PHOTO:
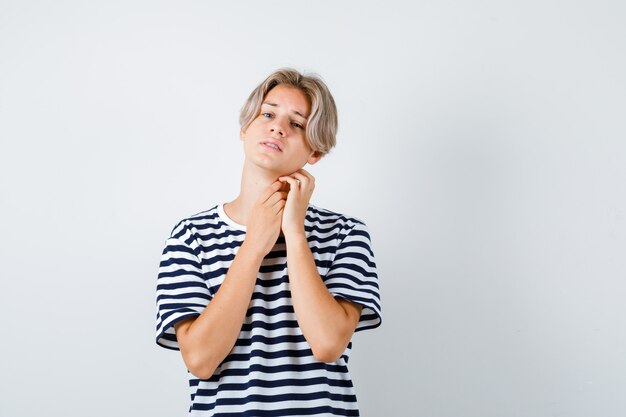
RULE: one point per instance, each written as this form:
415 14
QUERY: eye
296 124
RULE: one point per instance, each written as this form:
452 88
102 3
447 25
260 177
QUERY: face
281 123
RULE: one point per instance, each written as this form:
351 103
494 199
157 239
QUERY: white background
483 142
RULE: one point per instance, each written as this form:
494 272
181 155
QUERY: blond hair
322 124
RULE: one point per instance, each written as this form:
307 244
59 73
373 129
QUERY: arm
208 338
327 323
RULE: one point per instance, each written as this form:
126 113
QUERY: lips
268 144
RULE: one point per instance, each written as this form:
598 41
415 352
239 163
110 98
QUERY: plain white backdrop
482 142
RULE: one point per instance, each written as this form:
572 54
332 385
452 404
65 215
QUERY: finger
304 179
276 197
306 183
271 189
284 186
299 173
279 206
293 183
304 172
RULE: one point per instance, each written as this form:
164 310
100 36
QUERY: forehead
290 99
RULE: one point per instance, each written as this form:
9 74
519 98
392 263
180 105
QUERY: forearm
212 335
323 320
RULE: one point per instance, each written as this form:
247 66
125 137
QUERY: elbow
200 360
202 372
328 352
200 367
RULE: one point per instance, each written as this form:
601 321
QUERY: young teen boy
262 294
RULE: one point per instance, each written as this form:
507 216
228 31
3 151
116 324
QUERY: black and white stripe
271 369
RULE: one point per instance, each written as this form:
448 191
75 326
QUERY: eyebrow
276 105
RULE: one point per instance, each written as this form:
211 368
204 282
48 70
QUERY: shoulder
195 223
328 218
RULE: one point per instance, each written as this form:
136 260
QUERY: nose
278 126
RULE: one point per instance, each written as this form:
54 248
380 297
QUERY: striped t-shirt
271 370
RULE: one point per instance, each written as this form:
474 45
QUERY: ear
242 134
314 157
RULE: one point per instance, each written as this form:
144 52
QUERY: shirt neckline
228 220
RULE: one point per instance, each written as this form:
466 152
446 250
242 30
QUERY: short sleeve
181 290
352 275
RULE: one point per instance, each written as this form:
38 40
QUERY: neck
254 181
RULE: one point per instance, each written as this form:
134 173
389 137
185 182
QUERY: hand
264 222
301 186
